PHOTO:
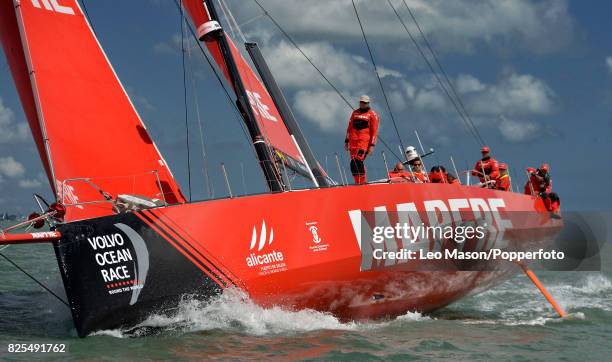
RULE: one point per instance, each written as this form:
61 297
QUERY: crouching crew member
503 180
438 174
540 184
399 174
487 168
361 137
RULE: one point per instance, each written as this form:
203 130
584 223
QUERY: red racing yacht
129 244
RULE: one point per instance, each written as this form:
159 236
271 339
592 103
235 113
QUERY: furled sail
92 141
268 117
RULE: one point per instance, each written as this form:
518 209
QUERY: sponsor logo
437 212
259 107
316 239
45 234
53 5
268 261
67 192
123 260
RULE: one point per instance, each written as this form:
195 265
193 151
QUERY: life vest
420 177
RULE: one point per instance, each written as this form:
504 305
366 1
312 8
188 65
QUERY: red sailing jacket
538 183
362 129
490 166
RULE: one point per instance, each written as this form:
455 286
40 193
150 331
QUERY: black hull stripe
177 244
162 221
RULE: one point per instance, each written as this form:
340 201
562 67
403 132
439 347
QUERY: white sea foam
234 312
518 302
515 302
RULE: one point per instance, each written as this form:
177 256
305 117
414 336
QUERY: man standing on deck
487 169
361 135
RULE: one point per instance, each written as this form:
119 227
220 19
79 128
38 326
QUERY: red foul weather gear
539 182
438 177
396 176
420 177
490 167
361 134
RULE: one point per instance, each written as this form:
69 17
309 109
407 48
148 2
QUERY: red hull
327 275
266 245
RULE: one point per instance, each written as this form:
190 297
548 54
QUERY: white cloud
460 25
430 100
467 83
29 183
609 63
10 167
11 131
323 109
170 46
342 68
515 94
519 131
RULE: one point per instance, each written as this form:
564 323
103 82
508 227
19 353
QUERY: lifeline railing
65 189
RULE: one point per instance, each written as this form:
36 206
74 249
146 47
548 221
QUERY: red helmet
544 167
485 149
503 166
531 170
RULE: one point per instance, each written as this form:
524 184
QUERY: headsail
268 118
89 135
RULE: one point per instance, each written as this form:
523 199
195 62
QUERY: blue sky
545 66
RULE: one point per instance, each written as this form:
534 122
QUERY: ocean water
509 322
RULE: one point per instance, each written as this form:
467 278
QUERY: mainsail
92 141
270 123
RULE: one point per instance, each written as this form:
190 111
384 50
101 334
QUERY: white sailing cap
364 98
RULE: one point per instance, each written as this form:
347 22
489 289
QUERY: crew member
487 169
438 175
416 165
531 186
541 184
539 181
361 135
503 180
399 174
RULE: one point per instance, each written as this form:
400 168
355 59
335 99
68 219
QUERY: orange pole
543 290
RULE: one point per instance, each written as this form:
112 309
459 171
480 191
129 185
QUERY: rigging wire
469 125
209 187
329 82
34 279
185 98
231 20
452 87
233 105
377 75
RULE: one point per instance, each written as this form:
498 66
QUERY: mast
290 122
262 150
